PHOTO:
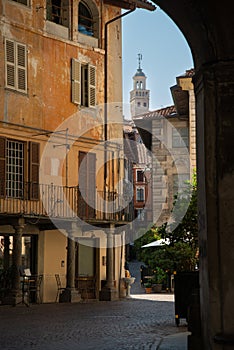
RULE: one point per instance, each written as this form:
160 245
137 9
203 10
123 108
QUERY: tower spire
139 60
139 96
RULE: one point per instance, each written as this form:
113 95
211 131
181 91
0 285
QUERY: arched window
88 18
85 20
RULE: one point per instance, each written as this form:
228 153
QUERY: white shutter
16 65
92 86
21 67
76 81
10 63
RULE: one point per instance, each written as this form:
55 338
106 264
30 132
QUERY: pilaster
214 89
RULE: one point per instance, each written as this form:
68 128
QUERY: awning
131 4
158 243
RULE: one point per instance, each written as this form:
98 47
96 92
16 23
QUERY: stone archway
208 28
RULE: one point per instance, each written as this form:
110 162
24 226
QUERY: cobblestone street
136 323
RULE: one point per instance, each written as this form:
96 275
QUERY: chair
59 286
34 286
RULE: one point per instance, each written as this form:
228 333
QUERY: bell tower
139 96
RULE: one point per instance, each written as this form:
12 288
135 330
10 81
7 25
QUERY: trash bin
184 285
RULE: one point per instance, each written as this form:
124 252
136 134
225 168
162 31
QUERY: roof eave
131 4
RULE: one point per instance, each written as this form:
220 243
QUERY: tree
182 252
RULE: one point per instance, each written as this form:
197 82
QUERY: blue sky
165 52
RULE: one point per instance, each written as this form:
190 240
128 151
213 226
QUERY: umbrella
158 243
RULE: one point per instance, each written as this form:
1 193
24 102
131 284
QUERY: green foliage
187 230
148 285
182 252
150 236
160 276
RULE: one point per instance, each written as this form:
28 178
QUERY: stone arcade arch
209 30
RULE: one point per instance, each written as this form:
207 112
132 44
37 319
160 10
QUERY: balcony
60 202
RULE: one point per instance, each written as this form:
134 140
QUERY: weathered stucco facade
170 134
53 150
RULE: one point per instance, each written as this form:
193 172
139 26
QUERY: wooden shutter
92 185
10 63
16 66
2 167
34 163
92 86
76 81
21 67
87 185
82 212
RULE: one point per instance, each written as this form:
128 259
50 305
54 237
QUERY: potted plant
158 280
148 287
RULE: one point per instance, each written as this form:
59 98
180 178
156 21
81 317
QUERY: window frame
62 16
94 18
141 197
21 2
142 174
83 85
15 168
16 66
30 169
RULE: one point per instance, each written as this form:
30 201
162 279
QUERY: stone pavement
142 322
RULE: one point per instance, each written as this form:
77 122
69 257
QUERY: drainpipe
105 93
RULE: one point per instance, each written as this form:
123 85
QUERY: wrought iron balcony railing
65 202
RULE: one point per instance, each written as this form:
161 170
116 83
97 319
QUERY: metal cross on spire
139 60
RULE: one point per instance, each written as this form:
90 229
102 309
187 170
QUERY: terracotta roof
143 154
134 149
158 113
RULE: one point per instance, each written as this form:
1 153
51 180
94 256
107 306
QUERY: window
85 20
13 169
138 104
16 66
24 2
83 84
140 176
140 194
145 104
88 18
57 11
180 137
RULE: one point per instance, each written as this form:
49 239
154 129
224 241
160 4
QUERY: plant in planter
148 287
158 280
